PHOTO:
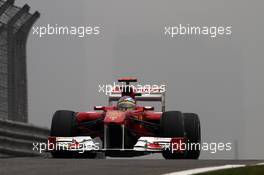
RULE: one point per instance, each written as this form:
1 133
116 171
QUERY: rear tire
193 134
172 125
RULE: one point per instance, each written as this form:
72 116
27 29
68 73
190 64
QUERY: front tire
193 134
172 125
63 125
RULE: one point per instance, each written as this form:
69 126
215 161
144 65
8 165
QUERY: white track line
260 164
203 170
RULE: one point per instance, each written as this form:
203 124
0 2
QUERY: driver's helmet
126 103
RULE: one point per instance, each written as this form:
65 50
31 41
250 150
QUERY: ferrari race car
126 129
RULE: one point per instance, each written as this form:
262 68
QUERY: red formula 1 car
125 129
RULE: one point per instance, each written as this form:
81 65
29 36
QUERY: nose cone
115 117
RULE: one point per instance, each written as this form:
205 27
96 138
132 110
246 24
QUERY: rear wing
151 96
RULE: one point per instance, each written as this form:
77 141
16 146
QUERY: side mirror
149 108
98 108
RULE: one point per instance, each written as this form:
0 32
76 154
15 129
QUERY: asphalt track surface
48 166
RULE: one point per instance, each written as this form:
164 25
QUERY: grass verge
248 170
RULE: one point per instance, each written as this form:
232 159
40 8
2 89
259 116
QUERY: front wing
86 143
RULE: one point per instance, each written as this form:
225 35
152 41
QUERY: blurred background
221 79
